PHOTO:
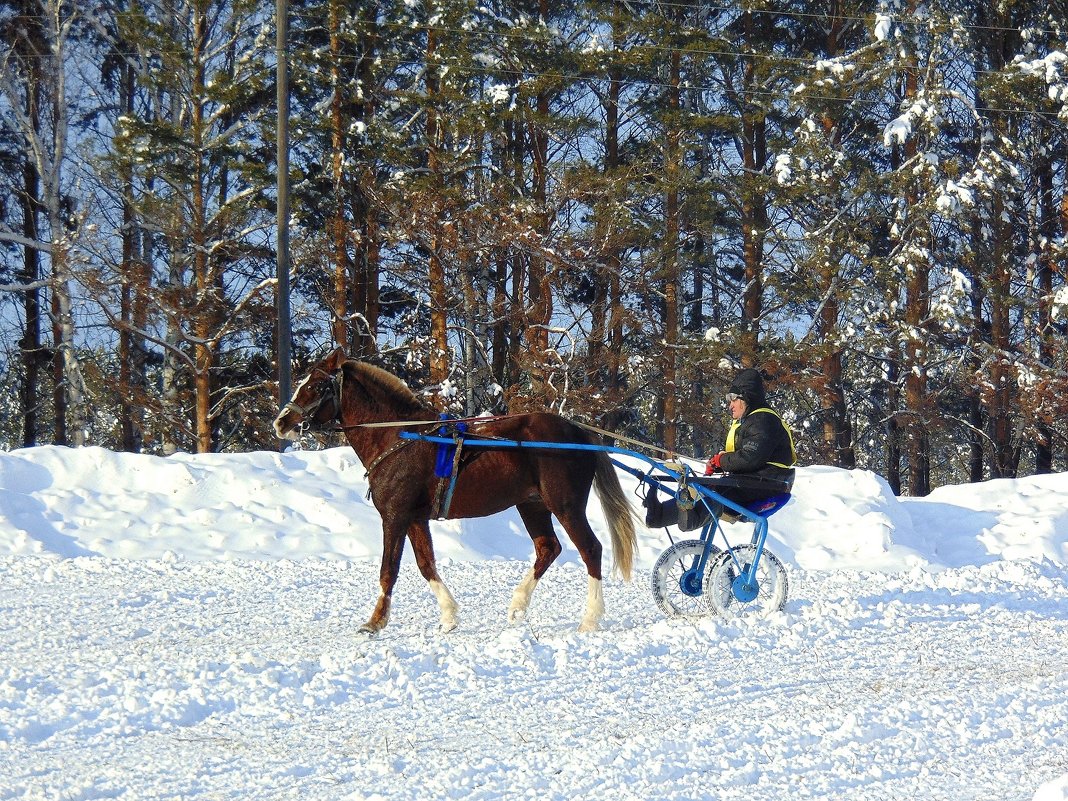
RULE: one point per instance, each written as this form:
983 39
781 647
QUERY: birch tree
33 84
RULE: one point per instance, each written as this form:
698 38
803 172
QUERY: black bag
659 514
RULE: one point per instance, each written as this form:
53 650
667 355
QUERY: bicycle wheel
678 587
733 599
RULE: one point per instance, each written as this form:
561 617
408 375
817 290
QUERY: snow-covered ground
186 628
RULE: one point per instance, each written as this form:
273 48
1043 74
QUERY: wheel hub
744 591
690 582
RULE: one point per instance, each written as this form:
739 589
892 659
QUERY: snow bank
313 504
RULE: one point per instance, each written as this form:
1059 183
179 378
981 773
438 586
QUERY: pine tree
825 180
1019 91
201 157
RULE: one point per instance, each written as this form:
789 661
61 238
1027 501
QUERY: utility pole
285 329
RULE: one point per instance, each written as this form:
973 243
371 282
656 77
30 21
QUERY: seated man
758 455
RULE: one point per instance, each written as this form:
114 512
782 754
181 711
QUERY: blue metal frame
745 586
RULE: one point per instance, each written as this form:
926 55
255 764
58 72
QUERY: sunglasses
732 397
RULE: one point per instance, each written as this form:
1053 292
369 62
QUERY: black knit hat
750 386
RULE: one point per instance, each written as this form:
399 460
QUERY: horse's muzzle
287 423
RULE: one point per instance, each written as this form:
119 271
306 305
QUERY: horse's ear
333 362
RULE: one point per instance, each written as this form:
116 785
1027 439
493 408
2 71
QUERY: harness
733 430
446 461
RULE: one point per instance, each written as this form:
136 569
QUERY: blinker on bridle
308 412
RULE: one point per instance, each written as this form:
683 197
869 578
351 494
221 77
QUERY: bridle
307 413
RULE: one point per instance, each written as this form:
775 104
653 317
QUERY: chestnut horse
540 483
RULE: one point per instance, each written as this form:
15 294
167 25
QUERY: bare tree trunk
174 414
501 357
132 304
539 308
917 305
439 296
473 316
32 354
518 268
893 426
1047 230
337 225
975 399
203 325
1000 406
754 218
539 305
62 272
837 428
670 254
606 334
917 437
364 214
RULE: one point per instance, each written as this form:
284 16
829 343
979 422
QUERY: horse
372 406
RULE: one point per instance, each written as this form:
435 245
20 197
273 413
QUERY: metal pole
284 331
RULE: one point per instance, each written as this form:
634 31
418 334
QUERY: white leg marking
449 608
517 609
594 606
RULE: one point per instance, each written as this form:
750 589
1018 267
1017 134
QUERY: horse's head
316 402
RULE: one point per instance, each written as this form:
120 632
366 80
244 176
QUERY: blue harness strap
443 465
446 467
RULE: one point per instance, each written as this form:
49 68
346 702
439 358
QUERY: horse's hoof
445 626
368 630
587 626
516 616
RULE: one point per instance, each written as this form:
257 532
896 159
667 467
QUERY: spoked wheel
733 598
678 585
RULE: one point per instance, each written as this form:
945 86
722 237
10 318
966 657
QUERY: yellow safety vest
729 447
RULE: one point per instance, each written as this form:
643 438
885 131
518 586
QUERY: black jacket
761 437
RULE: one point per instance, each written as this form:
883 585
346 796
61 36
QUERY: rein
592 429
337 384
612 435
482 419
439 421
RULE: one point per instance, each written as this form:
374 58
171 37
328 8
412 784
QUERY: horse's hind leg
419 534
539 525
589 548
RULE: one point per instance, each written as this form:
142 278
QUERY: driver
758 455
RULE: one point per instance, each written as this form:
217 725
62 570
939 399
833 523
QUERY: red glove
713 466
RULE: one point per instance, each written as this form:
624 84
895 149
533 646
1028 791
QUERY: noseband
307 413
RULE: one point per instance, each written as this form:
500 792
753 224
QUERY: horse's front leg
392 550
419 534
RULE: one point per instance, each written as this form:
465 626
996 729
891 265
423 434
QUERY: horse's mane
389 384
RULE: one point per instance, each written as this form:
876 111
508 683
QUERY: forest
601 208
